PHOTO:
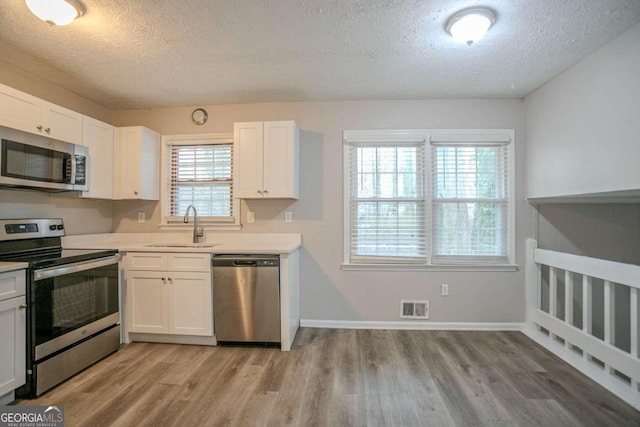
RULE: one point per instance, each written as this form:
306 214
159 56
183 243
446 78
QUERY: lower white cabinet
13 321
169 293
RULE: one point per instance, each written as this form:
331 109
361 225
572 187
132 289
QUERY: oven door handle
47 273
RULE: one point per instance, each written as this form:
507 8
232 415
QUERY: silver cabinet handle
48 130
22 306
39 127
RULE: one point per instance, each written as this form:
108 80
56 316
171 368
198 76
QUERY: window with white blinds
448 201
387 203
199 174
470 202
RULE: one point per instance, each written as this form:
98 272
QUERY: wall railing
585 310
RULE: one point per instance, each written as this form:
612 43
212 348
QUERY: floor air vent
414 309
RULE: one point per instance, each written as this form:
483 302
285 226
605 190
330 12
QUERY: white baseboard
442 326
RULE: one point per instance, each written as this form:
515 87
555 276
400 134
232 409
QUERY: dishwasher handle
245 263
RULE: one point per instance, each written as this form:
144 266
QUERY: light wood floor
341 378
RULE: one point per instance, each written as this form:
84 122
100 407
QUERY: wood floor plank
341 378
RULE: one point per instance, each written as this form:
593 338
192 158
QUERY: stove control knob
60 227
52 227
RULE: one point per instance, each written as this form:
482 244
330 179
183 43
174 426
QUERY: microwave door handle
73 169
47 273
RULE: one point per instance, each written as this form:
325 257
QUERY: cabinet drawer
189 262
146 261
12 284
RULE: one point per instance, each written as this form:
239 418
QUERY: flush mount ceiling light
470 25
56 12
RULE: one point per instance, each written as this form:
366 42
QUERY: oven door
72 302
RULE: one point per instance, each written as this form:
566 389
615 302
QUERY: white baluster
609 317
568 301
587 305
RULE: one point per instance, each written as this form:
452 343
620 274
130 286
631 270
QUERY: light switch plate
251 217
141 217
288 216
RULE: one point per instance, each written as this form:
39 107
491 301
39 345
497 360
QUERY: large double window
429 197
198 171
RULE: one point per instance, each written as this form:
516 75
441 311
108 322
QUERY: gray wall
327 292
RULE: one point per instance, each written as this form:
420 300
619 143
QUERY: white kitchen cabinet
13 321
99 137
137 163
19 110
169 293
267 160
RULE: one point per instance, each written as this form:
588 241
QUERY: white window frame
213 138
429 135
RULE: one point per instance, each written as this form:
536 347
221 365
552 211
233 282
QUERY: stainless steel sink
182 245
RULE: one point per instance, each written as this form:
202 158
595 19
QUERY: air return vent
414 309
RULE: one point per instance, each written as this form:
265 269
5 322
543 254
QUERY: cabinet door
98 136
13 321
127 159
61 123
19 110
190 304
149 166
280 160
249 145
147 302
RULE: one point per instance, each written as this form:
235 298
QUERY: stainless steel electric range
72 301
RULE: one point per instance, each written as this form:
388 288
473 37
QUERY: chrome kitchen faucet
198 232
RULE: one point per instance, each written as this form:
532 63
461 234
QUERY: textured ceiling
159 53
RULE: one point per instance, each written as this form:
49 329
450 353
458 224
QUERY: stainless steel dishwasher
246 298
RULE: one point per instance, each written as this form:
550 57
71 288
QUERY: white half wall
583 126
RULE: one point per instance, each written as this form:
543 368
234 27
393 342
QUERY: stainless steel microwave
38 162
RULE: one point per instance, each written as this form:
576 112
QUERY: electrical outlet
288 216
141 217
444 290
251 217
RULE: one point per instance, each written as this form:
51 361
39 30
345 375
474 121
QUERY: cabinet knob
135 192
259 191
48 130
39 127
164 279
266 191
22 306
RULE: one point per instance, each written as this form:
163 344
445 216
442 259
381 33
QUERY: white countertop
224 243
12 266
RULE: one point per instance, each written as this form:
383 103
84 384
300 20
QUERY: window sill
422 267
210 227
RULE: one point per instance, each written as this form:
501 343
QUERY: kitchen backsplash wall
81 216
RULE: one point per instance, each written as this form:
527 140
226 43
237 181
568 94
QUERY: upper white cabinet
99 137
22 111
267 159
137 158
